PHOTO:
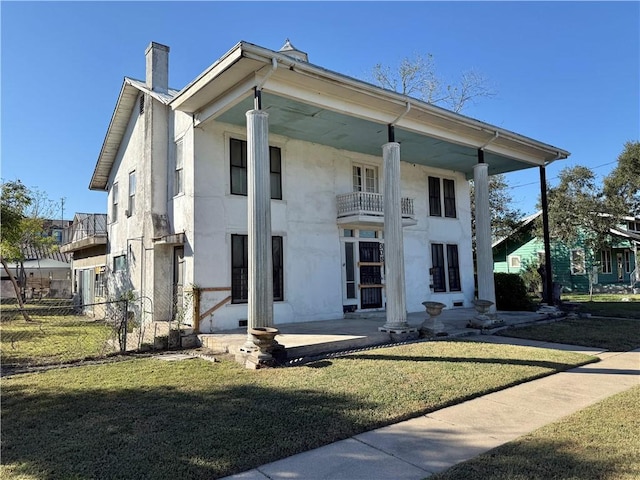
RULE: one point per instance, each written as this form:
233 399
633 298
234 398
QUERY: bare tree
417 77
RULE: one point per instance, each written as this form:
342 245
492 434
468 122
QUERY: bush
511 292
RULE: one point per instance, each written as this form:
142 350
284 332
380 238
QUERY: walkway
414 449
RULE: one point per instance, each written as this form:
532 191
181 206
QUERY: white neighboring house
175 166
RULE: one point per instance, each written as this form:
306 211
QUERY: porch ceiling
303 121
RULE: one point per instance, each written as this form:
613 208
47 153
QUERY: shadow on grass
537 459
557 366
163 433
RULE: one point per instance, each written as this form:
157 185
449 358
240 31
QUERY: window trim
114 202
517 258
234 140
178 164
363 186
574 267
606 263
131 203
239 293
441 195
445 268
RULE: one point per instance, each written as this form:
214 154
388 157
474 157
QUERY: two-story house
287 192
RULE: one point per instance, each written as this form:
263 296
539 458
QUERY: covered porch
304 341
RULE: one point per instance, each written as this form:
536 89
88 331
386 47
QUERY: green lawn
601 442
607 305
615 334
147 418
53 339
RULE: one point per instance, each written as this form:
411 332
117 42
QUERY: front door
620 263
370 266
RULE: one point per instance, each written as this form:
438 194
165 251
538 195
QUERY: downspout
258 87
392 125
491 140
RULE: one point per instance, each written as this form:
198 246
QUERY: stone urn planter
432 326
482 320
264 339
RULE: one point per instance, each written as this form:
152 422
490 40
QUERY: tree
622 185
23 211
504 218
579 213
417 77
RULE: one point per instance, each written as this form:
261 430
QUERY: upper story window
114 203
633 226
238 149
442 191
365 178
119 263
132 193
178 178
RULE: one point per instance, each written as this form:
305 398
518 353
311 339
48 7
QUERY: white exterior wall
124 229
312 176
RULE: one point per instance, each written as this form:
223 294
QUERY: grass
615 334
607 305
146 418
53 339
601 442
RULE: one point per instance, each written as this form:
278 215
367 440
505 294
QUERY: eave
117 127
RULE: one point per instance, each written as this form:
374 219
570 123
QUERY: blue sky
566 73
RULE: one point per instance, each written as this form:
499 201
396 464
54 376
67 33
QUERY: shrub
511 292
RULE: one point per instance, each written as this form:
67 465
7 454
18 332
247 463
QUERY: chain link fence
58 331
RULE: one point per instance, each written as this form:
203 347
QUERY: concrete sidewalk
416 448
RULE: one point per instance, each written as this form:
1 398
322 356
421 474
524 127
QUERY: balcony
367 209
87 230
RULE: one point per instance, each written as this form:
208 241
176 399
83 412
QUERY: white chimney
157 56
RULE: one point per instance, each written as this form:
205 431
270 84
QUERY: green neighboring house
614 268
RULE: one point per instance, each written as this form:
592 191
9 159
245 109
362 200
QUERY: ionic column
484 254
260 298
393 240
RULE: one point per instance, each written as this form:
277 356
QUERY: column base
400 333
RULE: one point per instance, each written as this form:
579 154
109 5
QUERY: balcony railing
369 204
86 231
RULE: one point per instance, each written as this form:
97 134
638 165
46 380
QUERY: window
445 272
605 259
627 261
365 178
442 191
577 262
238 149
119 263
240 268
634 226
132 193
514 261
114 203
178 178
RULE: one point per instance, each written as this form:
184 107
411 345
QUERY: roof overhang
310 103
118 125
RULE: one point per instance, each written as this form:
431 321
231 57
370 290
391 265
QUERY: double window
365 178
445 269
238 149
442 192
240 268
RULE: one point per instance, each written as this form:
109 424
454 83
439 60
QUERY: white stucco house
287 192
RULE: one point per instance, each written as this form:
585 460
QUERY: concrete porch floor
358 330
